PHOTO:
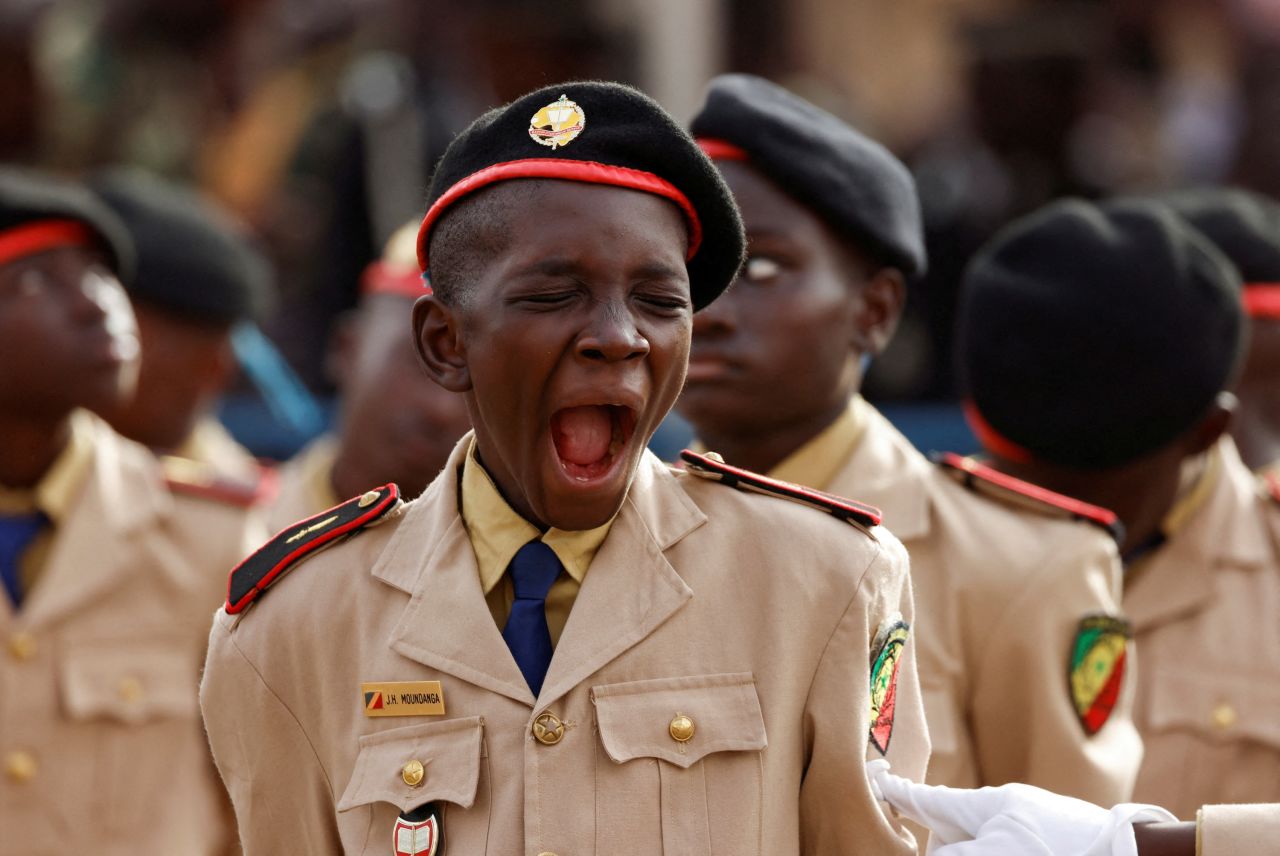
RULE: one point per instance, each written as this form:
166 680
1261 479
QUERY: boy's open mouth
589 439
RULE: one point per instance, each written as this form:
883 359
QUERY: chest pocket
132 715
680 768
400 769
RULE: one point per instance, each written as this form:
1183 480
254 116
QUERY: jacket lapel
97 545
447 624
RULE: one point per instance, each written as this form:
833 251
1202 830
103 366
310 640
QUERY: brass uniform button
130 690
413 773
714 456
22 646
681 728
1223 716
367 499
548 729
20 766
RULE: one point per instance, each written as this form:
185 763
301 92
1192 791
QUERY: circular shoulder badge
557 124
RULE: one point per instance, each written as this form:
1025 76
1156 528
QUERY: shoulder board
193 478
293 543
708 467
984 479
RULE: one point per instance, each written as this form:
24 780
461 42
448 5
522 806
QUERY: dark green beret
1089 336
855 184
193 258
599 133
29 198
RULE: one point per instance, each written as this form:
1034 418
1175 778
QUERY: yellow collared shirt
497 533
53 495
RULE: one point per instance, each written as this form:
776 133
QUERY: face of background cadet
68 337
396 425
781 347
588 302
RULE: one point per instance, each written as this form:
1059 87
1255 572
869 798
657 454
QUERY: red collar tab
1262 299
709 467
39 236
564 169
722 150
379 277
970 472
264 567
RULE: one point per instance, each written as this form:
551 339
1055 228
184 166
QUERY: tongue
582 434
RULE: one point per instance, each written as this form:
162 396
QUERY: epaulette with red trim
712 466
1271 481
269 562
195 478
1015 491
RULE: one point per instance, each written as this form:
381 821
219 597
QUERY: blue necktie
533 570
17 531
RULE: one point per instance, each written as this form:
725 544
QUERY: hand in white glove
1012 820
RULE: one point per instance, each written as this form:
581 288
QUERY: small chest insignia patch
886 652
402 698
557 124
418 832
1096 671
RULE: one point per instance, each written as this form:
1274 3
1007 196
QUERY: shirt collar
818 461
57 489
497 532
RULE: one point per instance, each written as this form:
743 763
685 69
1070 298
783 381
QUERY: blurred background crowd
316 123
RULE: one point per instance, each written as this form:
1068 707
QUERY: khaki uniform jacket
302 485
1239 830
1000 591
752 616
1206 611
100 731
212 444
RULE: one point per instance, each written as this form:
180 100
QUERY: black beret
1089 336
193 259
848 179
603 133
34 200
1244 225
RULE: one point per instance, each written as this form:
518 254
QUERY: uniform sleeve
1025 723
838 813
281 794
1239 830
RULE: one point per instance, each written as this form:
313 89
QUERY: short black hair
471 232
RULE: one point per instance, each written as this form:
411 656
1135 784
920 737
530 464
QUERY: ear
1215 423
340 353
437 335
882 296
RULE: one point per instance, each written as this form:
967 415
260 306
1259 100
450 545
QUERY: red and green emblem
886 653
1097 669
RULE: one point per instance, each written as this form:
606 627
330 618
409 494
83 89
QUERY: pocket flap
448 751
133 681
636 718
1220 704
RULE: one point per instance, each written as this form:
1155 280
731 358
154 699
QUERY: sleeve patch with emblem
1096 671
261 569
712 467
886 654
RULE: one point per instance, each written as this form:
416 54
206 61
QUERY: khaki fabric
1000 591
100 735
211 443
1239 830
752 616
303 487
1205 609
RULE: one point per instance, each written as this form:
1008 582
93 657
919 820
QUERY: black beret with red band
39 212
597 133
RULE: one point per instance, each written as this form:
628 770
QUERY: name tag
403 698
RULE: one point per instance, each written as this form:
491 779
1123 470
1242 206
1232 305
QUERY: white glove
1012 820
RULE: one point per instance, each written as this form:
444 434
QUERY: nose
612 336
